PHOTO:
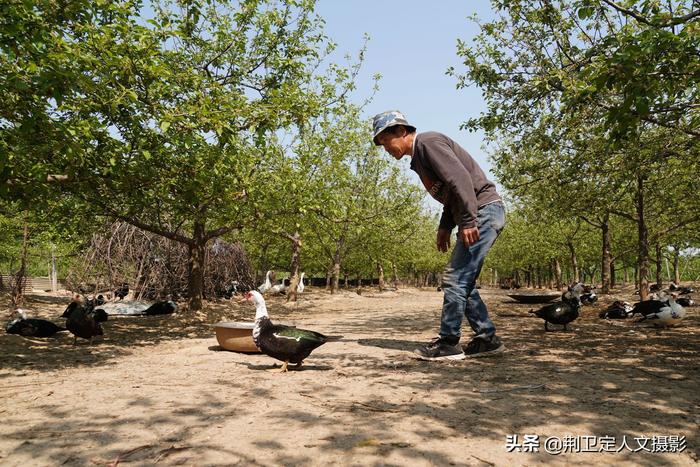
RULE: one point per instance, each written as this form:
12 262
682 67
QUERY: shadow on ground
607 378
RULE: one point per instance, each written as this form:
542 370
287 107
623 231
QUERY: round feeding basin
236 336
534 297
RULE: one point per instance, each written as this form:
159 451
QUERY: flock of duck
664 307
84 318
268 288
290 344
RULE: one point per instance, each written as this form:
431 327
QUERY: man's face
393 142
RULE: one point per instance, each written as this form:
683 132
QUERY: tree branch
627 12
685 222
596 225
662 24
624 214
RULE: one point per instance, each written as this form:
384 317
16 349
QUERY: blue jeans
459 279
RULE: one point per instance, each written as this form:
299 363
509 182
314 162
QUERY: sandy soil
158 390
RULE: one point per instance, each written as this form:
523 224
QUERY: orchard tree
635 61
419 254
577 86
168 123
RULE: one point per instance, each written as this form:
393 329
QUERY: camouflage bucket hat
388 119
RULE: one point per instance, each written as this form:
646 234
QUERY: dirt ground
158 390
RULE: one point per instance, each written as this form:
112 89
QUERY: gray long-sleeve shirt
453 178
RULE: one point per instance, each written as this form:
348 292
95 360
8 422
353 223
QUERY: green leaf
585 12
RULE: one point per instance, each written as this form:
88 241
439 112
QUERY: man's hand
469 236
443 239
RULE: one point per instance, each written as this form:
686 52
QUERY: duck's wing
560 310
549 311
300 335
28 329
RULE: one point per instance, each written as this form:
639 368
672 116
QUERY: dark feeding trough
535 297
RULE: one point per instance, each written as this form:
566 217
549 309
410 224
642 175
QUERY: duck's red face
249 296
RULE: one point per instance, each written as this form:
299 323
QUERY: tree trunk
394 276
528 277
335 270
20 279
643 239
574 262
54 275
557 273
674 262
613 275
294 267
380 273
346 275
659 266
195 281
606 257
265 264
335 275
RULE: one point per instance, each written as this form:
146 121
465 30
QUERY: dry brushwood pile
153 266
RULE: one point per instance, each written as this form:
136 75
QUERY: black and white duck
682 299
617 310
681 290
564 311
97 301
669 314
32 327
588 295
284 343
648 307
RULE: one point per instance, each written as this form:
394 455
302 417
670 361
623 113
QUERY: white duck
668 315
278 288
267 284
300 287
